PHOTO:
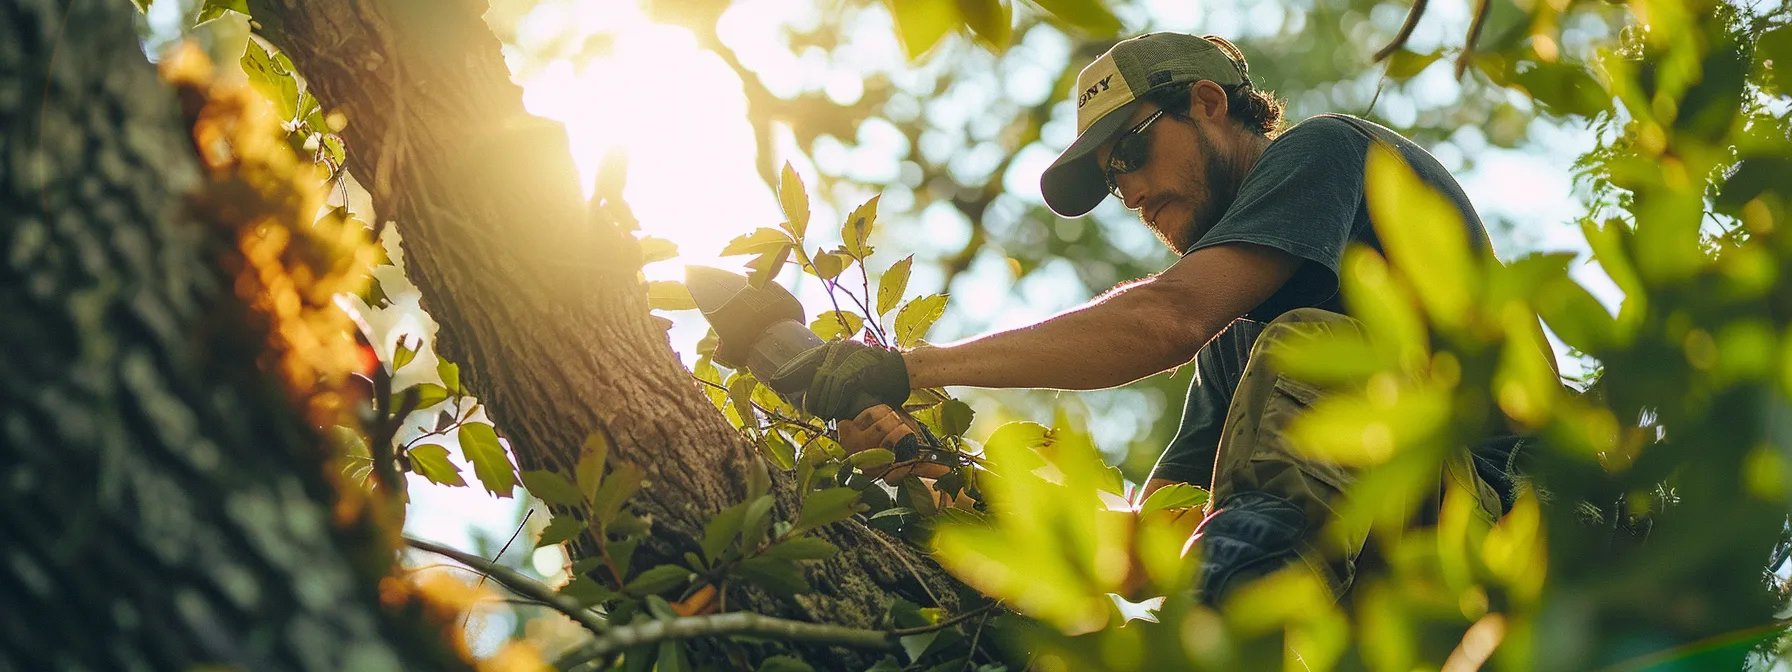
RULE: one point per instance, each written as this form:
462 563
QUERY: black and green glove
843 378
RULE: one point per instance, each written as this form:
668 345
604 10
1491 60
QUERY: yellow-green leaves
794 200
431 462
916 317
1406 63
1424 237
1385 307
856 232
921 23
669 295
1053 549
552 487
760 241
836 324
479 445
892 284
1367 429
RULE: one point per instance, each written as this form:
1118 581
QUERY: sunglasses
1129 153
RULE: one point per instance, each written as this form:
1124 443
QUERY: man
1172 125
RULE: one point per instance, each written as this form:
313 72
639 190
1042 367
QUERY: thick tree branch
753 625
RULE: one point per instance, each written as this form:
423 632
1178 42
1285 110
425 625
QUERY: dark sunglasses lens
1129 154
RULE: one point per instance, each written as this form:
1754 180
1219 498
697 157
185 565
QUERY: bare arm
1128 334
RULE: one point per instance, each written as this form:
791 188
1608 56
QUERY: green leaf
1174 496
802 548
706 370
271 75
479 445
916 317
624 480
216 9
1424 237
658 580
1406 63
782 577
669 295
857 231
892 284
990 21
450 373
403 353
778 450
431 462
766 266
721 530
657 249
672 657
1565 88
827 506
760 241
1089 15
872 458
740 392
560 529
142 5
829 265
552 488
585 566
589 473
755 520
795 201
955 417
916 646
586 591
921 23
428 394
835 324
784 664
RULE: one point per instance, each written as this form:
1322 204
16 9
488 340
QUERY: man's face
1187 180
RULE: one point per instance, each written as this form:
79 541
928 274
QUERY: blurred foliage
1651 524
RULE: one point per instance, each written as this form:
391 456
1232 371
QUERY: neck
1250 148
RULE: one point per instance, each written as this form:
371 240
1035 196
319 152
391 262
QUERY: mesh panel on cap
1163 58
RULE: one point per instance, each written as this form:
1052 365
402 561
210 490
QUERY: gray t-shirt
1304 197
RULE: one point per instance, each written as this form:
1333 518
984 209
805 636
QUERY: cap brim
1074 185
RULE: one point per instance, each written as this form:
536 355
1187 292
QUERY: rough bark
163 504
539 305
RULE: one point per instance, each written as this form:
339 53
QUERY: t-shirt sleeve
1302 197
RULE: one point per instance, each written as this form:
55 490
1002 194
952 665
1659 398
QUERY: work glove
840 377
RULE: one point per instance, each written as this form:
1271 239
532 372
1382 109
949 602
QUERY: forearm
1124 336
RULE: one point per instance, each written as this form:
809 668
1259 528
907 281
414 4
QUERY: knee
1250 534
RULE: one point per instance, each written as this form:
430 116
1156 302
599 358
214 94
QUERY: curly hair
1259 112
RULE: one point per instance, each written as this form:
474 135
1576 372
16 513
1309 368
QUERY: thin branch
1400 38
517 583
1482 8
970 661
483 575
942 625
774 415
739 623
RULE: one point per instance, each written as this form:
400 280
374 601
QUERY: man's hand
882 427
842 378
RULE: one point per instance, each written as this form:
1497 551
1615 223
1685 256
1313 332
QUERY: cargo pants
1270 501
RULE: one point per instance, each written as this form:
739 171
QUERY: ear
1207 101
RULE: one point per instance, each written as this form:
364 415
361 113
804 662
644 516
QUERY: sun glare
678 113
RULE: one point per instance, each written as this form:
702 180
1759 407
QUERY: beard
1213 193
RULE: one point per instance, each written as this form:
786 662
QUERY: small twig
780 417
947 623
1400 38
501 550
517 583
970 661
876 319
1482 8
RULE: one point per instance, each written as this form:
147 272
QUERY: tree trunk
539 305
163 503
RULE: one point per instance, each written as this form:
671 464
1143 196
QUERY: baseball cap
1107 93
